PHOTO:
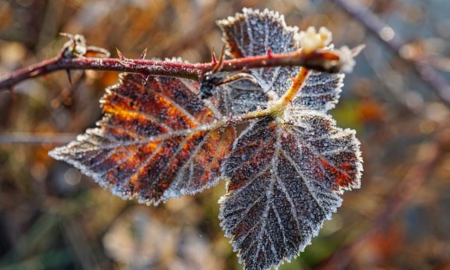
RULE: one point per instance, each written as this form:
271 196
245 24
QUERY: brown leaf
156 140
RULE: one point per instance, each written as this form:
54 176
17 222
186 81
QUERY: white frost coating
251 33
283 201
112 153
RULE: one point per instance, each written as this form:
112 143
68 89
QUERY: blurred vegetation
52 217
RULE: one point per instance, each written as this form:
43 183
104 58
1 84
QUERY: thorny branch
74 56
395 43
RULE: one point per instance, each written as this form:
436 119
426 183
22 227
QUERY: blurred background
52 217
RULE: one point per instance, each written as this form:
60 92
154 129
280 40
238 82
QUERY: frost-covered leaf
252 33
284 181
156 140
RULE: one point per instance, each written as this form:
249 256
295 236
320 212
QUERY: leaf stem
278 108
297 84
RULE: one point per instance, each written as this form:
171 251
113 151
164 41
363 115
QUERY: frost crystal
346 59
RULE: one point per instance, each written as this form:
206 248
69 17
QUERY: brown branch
321 60
395 44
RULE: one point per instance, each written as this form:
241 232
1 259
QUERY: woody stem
320 60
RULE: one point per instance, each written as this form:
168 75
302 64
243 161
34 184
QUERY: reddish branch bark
319 60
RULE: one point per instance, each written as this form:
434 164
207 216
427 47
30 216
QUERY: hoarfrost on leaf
156 140
287 186
252 33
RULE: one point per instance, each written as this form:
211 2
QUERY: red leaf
156 140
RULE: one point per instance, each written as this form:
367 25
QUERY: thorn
222 54
269 52
219 64
69 77
292 79
120 54
143 54
213 56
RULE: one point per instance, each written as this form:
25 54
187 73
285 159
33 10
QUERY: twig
35 138
321 60
394 43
